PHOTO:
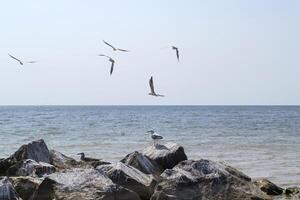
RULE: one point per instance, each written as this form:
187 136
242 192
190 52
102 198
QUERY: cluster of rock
160 172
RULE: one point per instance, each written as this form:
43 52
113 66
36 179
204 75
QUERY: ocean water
262 141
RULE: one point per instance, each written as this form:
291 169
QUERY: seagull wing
109 45
151 85
103 55
177 54
16 59
31 62
124 50
112 67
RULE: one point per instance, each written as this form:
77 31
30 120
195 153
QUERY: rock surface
25 186
268 187
36 150
204 179
30 168
142 163
167 156
81 184
7 191
130 178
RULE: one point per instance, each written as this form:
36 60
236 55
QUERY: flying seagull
114 48
155 137
177 52
21 63
110 60
86 159
153 93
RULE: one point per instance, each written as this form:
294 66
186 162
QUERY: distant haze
232 52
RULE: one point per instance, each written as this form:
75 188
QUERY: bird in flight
21 63
112 62
177 52
153 93
114 48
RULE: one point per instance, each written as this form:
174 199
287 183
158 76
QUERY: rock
62 162
268 187
81 184
4 165
205 179
30 168
167 156
7 191
36 150
142 163
130 178
292 191
25 186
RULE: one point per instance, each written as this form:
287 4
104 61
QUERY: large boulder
36 150
30 168
142 163
61 161
268 187
167 156
130 178
205 179
7 191
25 186
81 184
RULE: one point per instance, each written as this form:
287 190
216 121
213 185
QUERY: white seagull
177 52
155 137
112 62
153 93
21 63
114 48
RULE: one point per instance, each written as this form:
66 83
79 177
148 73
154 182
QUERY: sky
232 52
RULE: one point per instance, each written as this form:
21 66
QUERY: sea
261 141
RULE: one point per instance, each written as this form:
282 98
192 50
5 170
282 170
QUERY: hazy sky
232 52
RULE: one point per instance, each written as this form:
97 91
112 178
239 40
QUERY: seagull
86 159
155 137
177 52
110 60
152 89
21 63
114 48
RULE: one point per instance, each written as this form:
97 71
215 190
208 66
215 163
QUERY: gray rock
268 187
36 150
7 191
25 186
81 184
205 179
142 163
30 168
130 178
61 161
167 156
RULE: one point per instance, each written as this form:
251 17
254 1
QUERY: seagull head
151 131
81 154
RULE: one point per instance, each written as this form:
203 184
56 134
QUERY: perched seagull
114 48
152 89
86 159
155 137
110 60
21 63
177 52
